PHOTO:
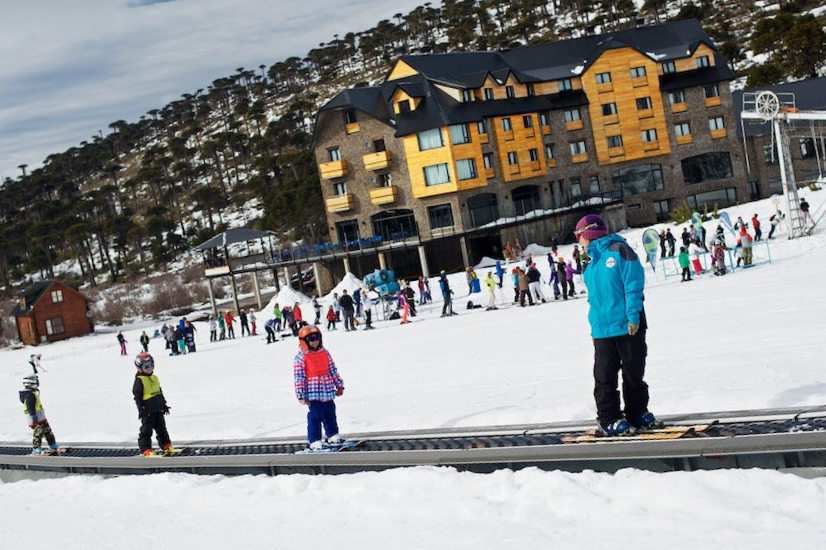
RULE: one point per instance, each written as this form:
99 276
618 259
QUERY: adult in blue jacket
615 281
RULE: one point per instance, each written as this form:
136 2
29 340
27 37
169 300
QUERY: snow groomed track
784 439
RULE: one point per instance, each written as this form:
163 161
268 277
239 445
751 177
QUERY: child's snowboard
332 447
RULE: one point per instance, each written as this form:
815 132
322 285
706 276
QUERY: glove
340 391
633 329
166 409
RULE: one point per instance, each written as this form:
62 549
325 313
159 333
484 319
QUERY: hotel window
481 128
576 188
350 116
489 93
702 61
649 135
712 91
459 134
572 115
466 169
577 148
614 141
487 160
716 123
379 146
565 85
609 109
533 154
334 154
509 92
339 189
769 154
549 151
669 67
593 184
404 106
530 89
643 103
506 124
467 96
707 167
513 158
682 129
661 210
384 180
603 78
436 174
677 96
440 216
636 180
430 139
57 296
637 72
527 121
543 119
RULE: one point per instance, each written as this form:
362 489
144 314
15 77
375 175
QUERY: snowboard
56 452
332 447
666 432
166 454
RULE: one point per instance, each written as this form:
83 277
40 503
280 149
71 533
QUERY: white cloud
69 69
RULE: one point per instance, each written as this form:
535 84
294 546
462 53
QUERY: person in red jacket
755 223
229 320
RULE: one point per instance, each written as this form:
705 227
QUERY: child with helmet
33 408
317 384
151 407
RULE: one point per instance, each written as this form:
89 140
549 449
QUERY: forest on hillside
124 205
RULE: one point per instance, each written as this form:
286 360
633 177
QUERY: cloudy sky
69 68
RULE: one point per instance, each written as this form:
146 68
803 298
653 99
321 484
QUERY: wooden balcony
377 161
719 133
685 140
341 203
580 157
353 128
333 169
679 107
384 195
573 125
714 101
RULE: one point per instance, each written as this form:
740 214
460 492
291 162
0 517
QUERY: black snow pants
612 356
149 422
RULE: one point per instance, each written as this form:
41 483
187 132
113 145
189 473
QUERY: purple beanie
592 227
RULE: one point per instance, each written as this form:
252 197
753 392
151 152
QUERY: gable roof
31 295
536 63
232 236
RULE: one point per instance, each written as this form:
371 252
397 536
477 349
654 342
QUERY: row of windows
679 96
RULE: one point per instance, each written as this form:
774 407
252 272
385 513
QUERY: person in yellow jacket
33 408
151 407
490 284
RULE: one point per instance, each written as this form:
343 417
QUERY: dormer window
530 89
467 96
669 67
702 61
350 116
404 106
489 94
565 85
509 92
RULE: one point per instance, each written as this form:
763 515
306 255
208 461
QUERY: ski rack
780 439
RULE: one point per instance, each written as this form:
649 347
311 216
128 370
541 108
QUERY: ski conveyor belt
784 439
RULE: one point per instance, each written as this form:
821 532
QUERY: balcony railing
341 203
377 161
384 195
333 169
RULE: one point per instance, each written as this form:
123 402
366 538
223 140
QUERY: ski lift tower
779 109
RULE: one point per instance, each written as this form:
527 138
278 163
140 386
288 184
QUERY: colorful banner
726 221
651 243
697 222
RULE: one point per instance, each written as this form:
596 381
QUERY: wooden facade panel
629 121
352 128
417 160
401 70
377 161
523 140
70 313
333 169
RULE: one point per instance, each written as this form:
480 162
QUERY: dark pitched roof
30 296
809 95
232 236
541 62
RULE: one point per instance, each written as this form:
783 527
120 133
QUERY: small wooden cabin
49 311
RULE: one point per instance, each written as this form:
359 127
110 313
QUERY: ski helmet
144 361
31 382
307 333
591 227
